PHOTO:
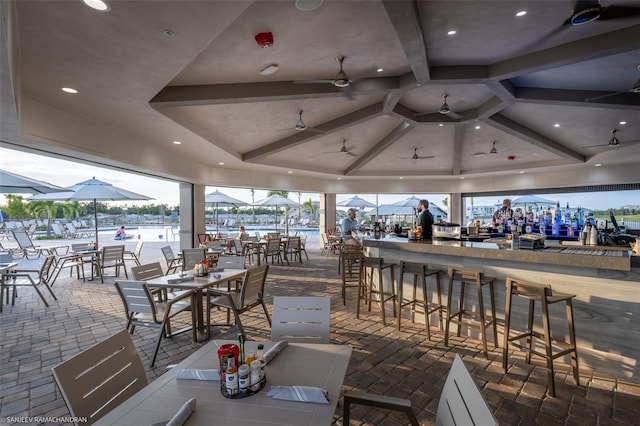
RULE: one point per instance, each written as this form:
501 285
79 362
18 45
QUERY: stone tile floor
385 361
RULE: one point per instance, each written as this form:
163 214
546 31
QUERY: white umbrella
218 199
92 189
11 183
408 202
355 201
276 201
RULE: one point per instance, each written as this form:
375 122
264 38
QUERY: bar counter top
599 257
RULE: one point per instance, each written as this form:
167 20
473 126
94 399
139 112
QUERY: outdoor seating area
419 363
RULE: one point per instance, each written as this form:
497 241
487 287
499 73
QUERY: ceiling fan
492 151
444 109
300 126
341 80
634 89
614 142
415 156
344 150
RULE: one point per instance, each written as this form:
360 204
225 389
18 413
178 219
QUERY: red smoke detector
264 40
511 157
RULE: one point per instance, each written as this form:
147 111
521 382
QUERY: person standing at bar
425 219
505 213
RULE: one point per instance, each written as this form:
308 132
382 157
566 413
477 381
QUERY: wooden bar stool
543 294
465 316
369 265
350 270
420 272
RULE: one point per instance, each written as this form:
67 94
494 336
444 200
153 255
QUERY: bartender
425 219
505 213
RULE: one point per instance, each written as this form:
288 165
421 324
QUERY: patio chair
135 254
251 294
59 231
98 379
142 310
273 249
150 271
112 257
461 403
173 263
191 257
34 252
294 249
303 245
301 319
27 277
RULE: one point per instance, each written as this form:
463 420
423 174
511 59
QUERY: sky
66 173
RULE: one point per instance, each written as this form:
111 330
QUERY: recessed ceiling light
521 13
307 5
521 171
69 90
440 124
597 164
269 69
177 143
451 32
99 5
401 177
168 33
461 177
556 125
623 122
221 164
477 127
380 70
339 178
290 172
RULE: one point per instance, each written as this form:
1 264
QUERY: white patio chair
301 319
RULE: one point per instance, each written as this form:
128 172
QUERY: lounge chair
30 251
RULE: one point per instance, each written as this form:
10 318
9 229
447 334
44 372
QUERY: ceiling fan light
636 87
300 125
444 109
614 142
341 79
586 15
415 156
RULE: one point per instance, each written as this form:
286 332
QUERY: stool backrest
461 403
464 274
528 290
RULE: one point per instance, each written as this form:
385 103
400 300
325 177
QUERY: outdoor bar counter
605 280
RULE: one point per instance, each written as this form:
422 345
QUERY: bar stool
369 265
420 273
470 319
543 294
350 270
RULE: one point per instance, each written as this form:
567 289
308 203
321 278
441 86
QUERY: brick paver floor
385 361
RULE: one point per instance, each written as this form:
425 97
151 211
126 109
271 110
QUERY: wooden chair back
301 319
100 378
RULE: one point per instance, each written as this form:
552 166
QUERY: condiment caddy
241 377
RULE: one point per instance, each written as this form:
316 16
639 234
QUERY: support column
456 210
191 214
327 213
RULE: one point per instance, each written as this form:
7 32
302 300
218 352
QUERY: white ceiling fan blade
426 157
605 96
314 130
319 81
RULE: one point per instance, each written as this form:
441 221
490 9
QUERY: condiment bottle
251 356
255 375
263 363
244 379
231 376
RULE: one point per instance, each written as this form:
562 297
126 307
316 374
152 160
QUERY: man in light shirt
349 226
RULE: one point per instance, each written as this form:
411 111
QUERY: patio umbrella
218 199
11 183
355 201
92 190
276 201
408 202
531 200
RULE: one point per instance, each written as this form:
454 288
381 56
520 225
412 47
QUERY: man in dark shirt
425 219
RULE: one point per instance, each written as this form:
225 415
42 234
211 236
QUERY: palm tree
71 209
309 207
44 208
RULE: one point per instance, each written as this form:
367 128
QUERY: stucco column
191 214
456 212
327 213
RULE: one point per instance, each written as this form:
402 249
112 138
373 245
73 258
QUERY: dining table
187 281
298 364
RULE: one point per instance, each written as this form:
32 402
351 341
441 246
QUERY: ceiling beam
380 146
219 94
513 128
405 19
345 121
607 44
458 138
578 98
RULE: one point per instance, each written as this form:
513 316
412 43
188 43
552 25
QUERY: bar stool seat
420 272
543 294
463 316
370 292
